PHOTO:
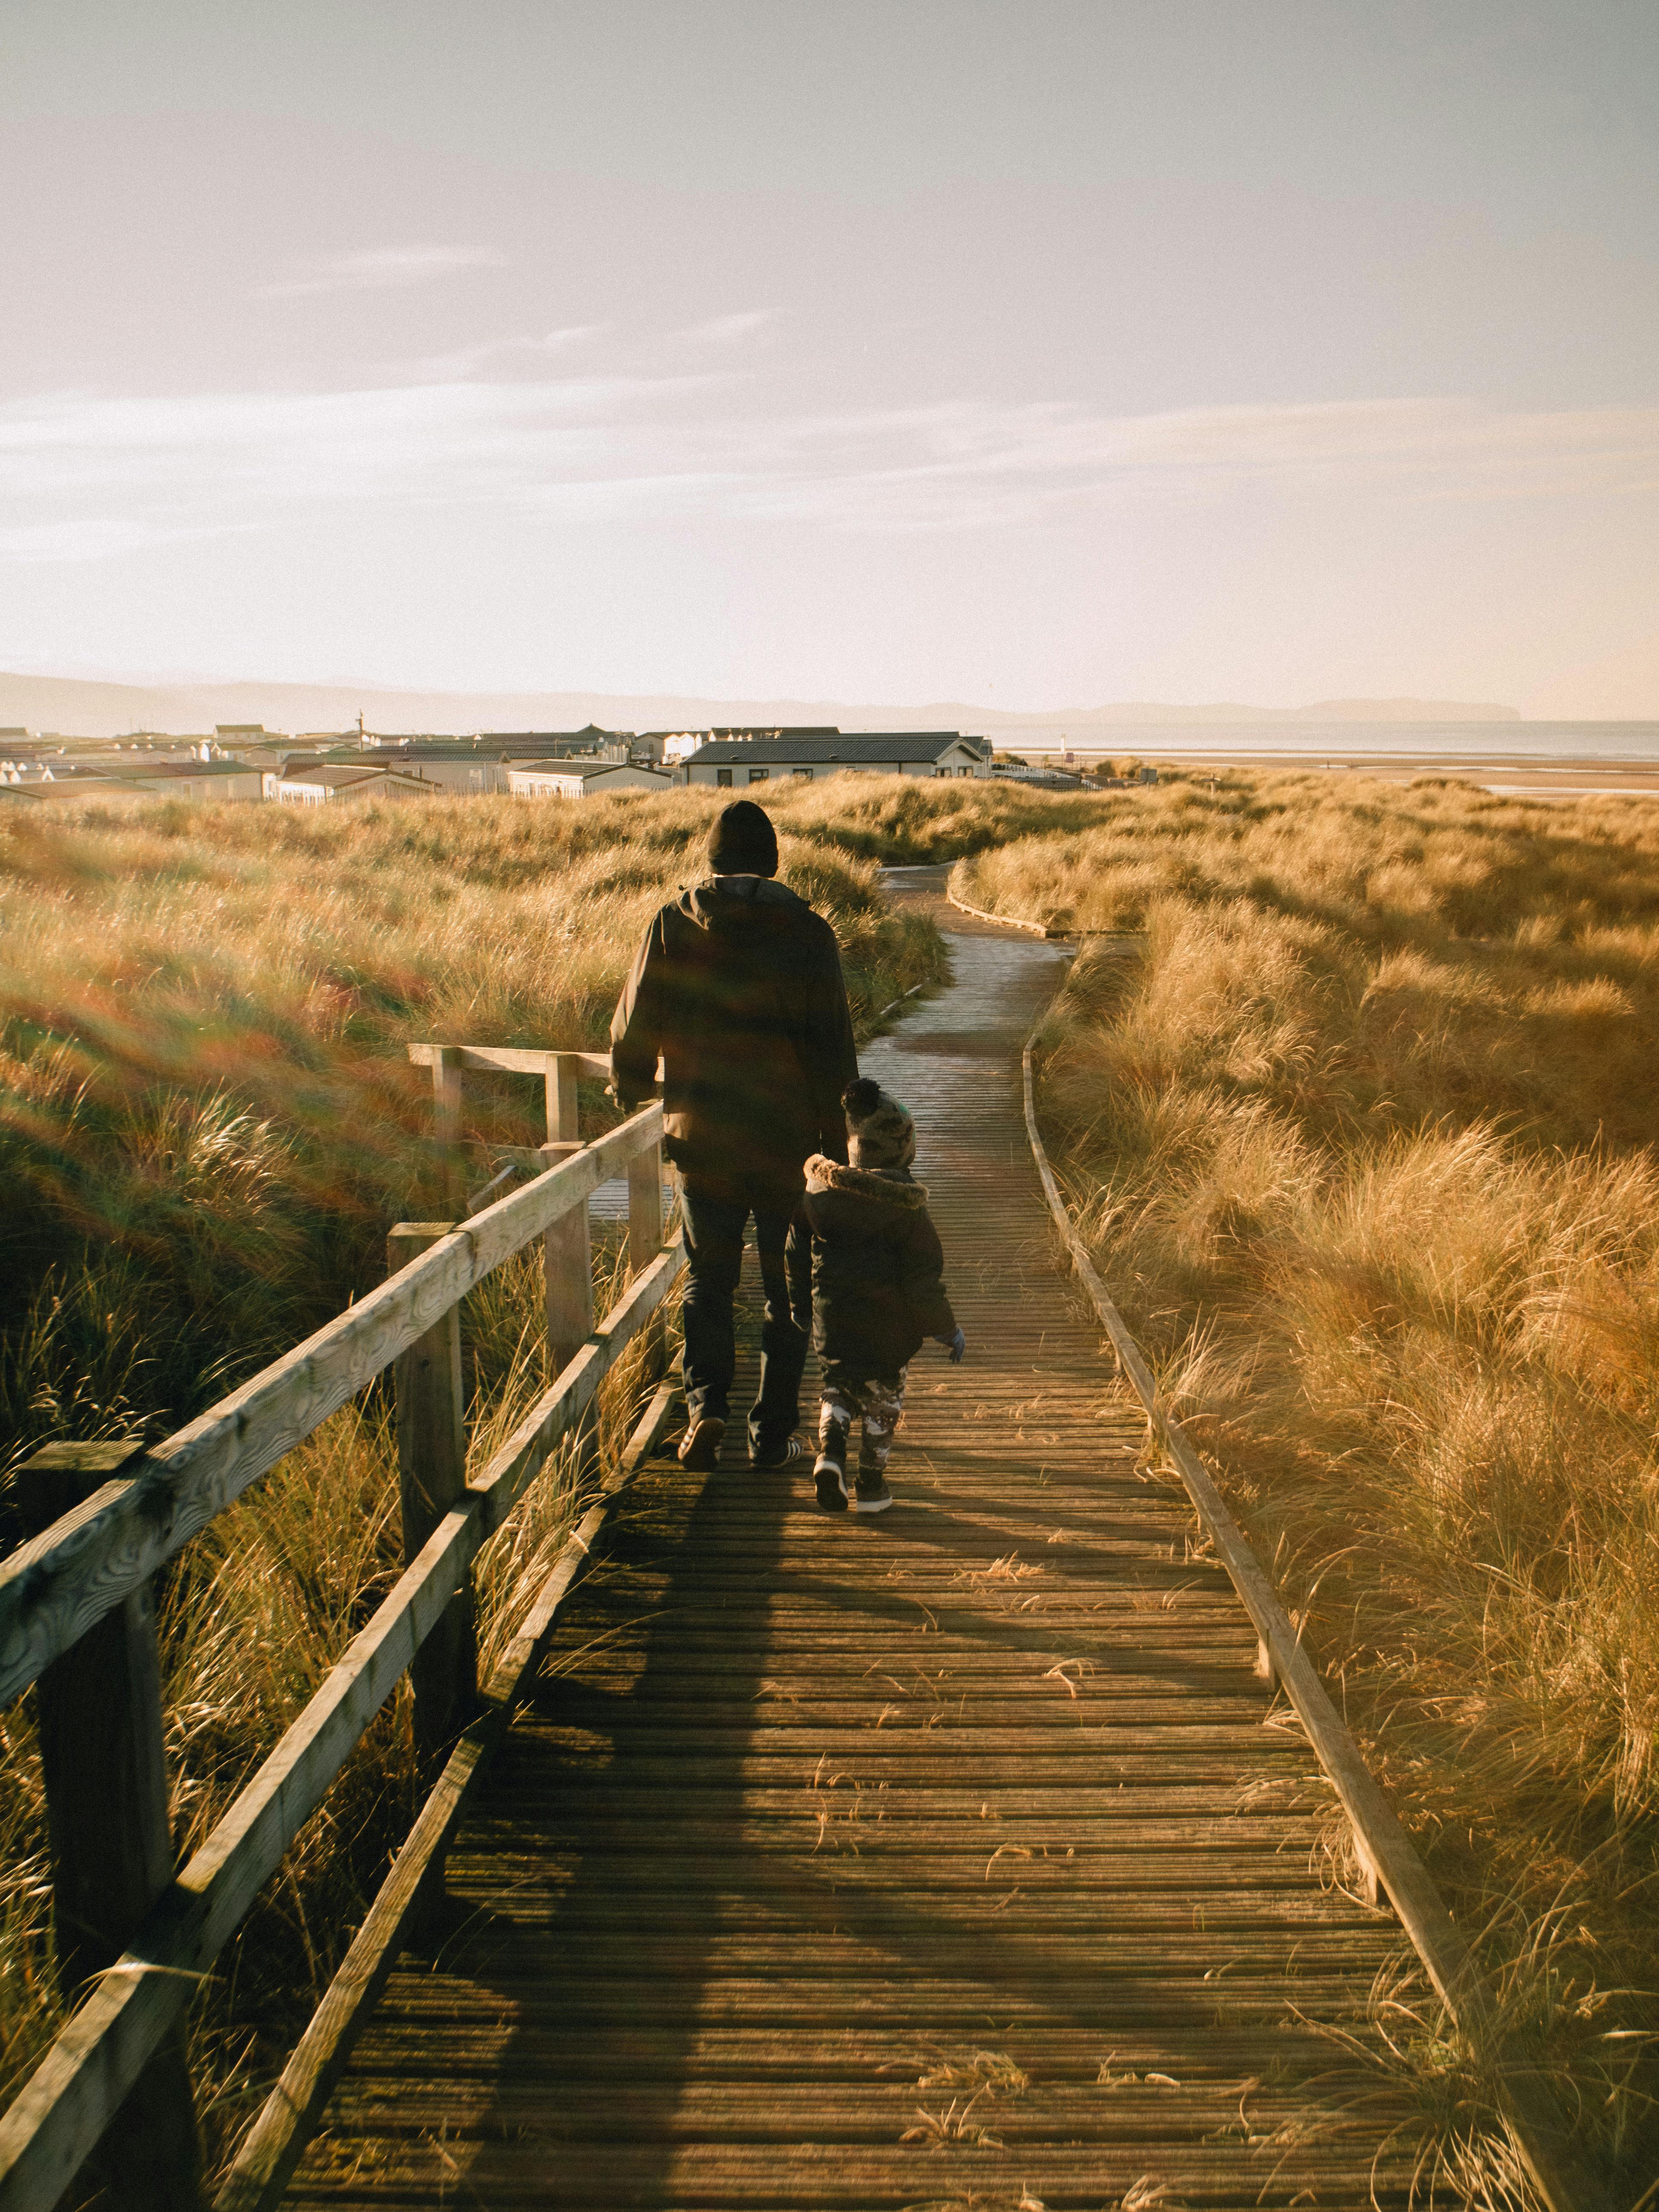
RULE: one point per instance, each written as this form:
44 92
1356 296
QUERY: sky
1030 355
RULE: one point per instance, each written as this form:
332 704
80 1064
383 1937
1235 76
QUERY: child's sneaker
870 1493
830 1485
829 1474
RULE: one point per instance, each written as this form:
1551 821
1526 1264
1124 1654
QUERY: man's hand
956 1345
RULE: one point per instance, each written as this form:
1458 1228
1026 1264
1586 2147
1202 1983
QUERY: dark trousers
715 1219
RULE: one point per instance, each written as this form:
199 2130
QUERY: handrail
54 1588
273 2146
57 2119
67 1583
1555 2164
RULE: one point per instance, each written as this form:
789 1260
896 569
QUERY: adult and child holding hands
737 987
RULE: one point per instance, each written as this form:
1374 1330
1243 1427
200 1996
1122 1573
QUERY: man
737 986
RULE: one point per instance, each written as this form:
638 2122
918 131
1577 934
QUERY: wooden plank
99 1715
1006 921
645 1238
431 1421
527 1449
561 1098
273 2147
445 1064
54 2122
53 1588
514 1060
567 1279
647 1901
1559 2171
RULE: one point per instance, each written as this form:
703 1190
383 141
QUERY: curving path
953 1858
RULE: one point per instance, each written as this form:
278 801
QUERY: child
876 1292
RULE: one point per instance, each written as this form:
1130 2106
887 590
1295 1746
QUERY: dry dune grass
1365 1140
206 1115
207 1121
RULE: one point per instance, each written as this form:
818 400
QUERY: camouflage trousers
877 1399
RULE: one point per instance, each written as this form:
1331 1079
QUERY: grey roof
581 767
548 737
174 769
342 773
856 751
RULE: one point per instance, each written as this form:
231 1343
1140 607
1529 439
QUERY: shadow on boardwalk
955 1858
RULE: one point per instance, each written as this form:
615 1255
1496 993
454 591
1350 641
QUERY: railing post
645 1240
447 1123
562 1100
568 1263
109 1834
432 1474
567 1270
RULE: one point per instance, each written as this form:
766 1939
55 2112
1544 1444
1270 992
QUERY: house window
759 774
723 778
806 772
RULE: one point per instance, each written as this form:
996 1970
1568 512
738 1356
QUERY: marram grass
1361 1134
208 1121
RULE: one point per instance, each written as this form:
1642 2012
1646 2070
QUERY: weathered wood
1388 1859
645 1237
514 1060
567 1276
99 1713
53 2124
53 1589
562 1120
525 1451
447 1098
273 2147
1004 920
767 1973
431 1478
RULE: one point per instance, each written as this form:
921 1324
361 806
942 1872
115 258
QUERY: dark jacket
878 1267
738 986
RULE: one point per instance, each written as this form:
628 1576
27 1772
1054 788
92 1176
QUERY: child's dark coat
877 1268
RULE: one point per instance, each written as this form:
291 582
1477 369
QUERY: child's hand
956 1345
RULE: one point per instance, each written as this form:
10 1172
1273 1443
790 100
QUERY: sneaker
870 1493
778 1455
829 1482
700 1447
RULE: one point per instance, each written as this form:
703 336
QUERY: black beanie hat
879 1132
743 841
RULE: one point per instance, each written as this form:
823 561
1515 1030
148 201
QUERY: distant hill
75 708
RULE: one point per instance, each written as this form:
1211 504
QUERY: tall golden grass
207 1115
1363 1134
207 1122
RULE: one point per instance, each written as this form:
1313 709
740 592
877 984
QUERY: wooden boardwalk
949 1858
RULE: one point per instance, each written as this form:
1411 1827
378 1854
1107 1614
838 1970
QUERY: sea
1634 742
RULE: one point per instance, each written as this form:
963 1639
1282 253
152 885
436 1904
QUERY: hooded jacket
878 1268
737 985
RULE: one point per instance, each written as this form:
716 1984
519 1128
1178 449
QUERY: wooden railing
76 1618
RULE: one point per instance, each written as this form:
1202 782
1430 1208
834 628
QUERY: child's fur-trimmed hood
876 1183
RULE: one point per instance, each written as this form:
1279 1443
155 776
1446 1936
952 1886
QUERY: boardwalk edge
1555 2166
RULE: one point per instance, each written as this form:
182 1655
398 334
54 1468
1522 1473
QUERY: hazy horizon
1166 352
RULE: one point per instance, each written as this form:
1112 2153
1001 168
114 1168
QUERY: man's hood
741 903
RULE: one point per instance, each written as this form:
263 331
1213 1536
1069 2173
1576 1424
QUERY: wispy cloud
383 270
465 362
91 471
725 330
